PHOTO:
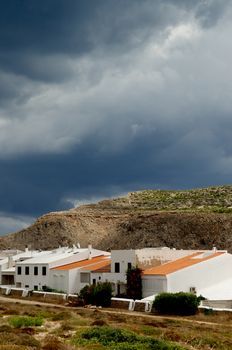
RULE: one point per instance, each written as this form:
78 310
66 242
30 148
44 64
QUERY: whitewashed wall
202 275
150 257
123 257
153 285
31 280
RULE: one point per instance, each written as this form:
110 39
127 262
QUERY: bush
176 303
87 294
25 321
99 294
120 339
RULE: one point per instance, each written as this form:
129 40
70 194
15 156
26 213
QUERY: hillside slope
199 218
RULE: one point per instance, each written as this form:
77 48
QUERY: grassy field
38 327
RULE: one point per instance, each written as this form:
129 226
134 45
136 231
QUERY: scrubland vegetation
31 327
212 199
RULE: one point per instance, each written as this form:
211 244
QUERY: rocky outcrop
196 219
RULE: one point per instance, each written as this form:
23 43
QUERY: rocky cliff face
182 219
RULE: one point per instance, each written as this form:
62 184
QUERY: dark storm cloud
33 34
98 98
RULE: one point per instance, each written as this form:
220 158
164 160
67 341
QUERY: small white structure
71 278
34 273
194 273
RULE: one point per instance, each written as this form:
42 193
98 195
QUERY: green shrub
107 335
87 294
120 339
99 294
52 290
103 294
25 321
176 303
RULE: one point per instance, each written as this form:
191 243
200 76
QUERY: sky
102 97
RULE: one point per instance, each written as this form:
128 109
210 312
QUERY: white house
195 273
71 278
8 260
122 260
34 274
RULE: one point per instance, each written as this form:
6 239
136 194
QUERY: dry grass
199 332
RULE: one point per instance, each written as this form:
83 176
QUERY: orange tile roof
84 263
179 264
102 266
106 268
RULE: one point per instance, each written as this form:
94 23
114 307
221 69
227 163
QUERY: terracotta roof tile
181 263
84 263
102 266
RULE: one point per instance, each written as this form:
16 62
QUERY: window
26 285
129 266
85 277
94 281
117 267
35 270
26 270
44 270
19 270
35 287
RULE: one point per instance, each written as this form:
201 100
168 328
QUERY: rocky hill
200 218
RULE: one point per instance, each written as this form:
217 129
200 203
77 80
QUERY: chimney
90 251
26 249
10 262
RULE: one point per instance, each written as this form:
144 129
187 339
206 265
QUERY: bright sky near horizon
98 98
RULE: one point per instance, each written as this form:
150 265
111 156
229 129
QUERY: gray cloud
102 99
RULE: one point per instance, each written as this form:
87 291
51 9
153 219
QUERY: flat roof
87 264
181 263
51 256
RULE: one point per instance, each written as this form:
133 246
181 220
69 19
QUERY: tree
134 283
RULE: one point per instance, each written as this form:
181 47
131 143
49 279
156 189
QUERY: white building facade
37 273
195 274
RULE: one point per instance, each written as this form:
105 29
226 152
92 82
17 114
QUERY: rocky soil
192 219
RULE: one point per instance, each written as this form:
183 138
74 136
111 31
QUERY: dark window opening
26 270
129 266
35 270
19 270
117 267
44 270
